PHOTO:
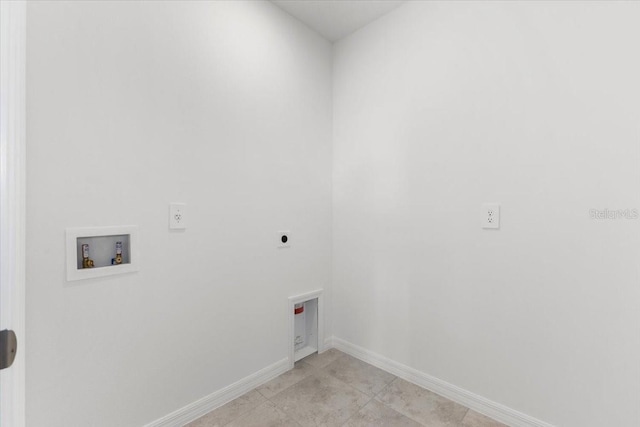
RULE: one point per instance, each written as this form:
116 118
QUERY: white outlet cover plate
177 216
491 215
282 244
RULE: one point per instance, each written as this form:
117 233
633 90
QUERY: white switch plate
284 239
491 215
177 216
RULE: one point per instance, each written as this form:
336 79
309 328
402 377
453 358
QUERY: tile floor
335 389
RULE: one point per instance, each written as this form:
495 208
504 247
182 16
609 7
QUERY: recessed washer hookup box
101 251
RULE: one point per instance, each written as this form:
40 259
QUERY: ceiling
334 19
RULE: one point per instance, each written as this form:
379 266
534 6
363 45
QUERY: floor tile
421 405
229 412
321 360
320 400
300 371
376 414
364 377
265 415
474 419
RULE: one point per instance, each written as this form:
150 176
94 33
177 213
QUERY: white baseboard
328 344
471 400
218 398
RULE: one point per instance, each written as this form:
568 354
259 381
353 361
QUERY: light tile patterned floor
334 389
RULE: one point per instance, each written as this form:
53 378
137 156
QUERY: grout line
322 370
318 369
465 414
371 398
313 369
360 408
249 410
289 417
422 388
394 409
346 383
260 393
384 388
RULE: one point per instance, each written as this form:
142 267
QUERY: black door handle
8 348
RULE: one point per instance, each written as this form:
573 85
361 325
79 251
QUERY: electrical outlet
284 239
491 215
177 216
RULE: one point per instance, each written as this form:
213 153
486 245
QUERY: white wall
132 105
439 107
